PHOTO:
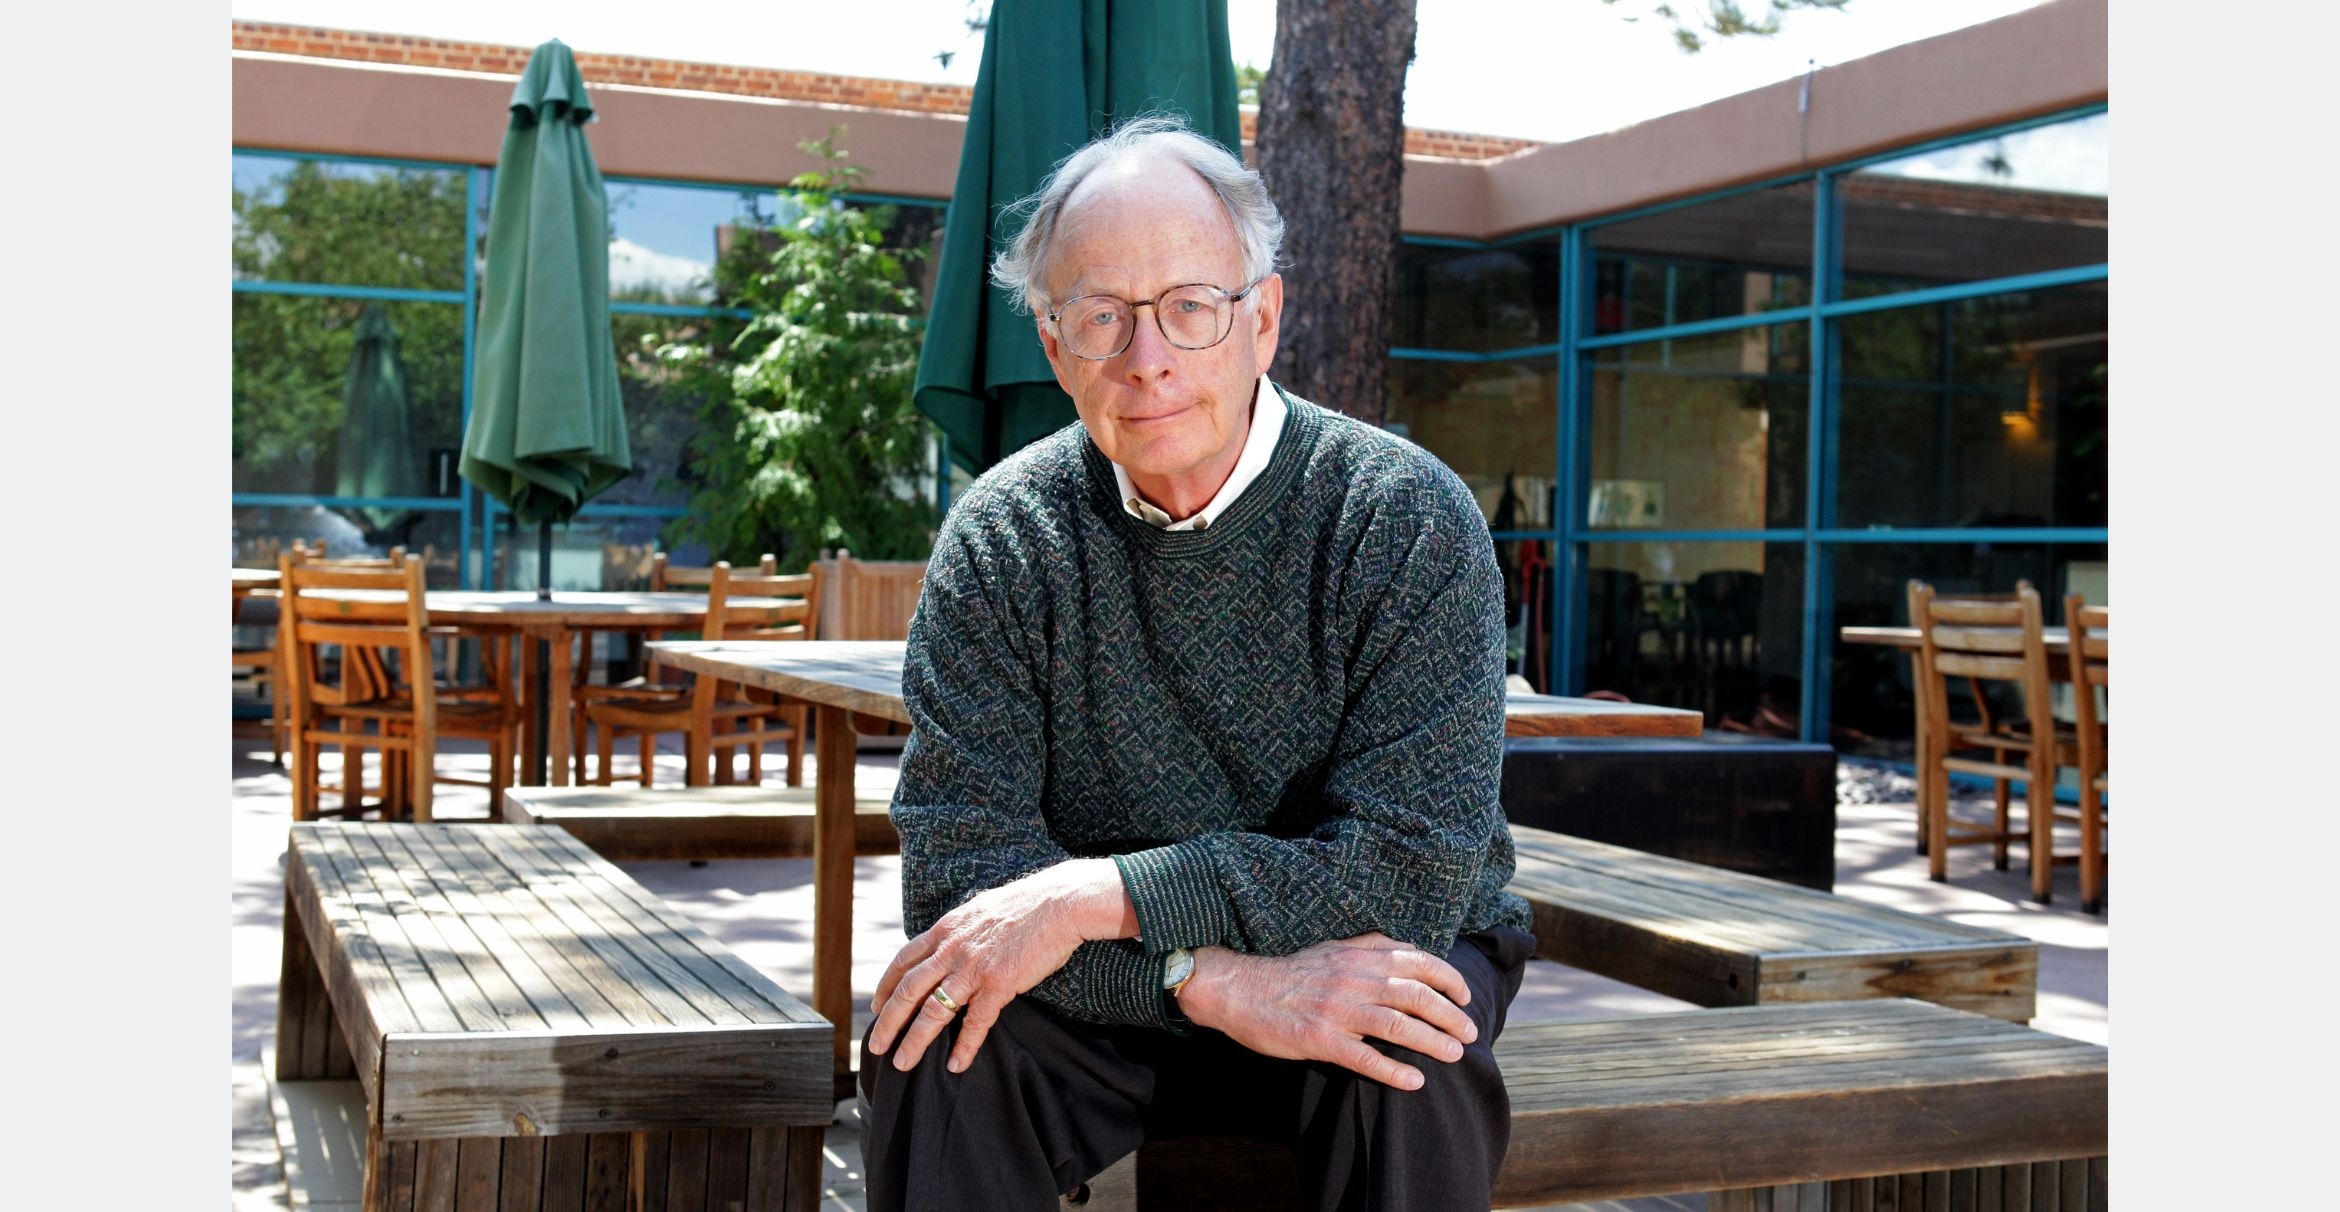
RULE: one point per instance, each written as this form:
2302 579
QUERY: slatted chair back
873 600
2090 670
665 576
373 619
1986 640
799 619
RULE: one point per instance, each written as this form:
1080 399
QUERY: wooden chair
260 663
664 578
379 693
1988 641
2088 626
719 718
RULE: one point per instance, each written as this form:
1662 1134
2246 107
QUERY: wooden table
556 621
856 685
2059 641
249 579
530 1027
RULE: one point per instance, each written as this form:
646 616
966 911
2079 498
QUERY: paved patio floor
760 910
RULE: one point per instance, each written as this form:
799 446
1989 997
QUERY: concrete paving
762 911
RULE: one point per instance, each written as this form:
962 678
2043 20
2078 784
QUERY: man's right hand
1323 1002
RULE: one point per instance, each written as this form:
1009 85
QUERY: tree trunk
1331 145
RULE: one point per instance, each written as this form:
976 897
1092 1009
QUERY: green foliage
1725 19
1248 81
807 437
346 225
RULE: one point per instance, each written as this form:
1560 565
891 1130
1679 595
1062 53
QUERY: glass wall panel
1872 706
1701 433
1712 626
1984 412
293 430
1734 256
260 533
1477 299
334 222
662 406
664 239
2012 204
1494 423
1527 604
592 552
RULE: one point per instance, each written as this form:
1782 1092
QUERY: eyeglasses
1195 316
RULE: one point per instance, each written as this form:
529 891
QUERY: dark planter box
1761 806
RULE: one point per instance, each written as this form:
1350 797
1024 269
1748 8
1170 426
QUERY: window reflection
346 224
1734 256
259 533
1700 433
1494 423
2020 203
1986 412
1713 626
1477 299
1526 565
665 239
299 425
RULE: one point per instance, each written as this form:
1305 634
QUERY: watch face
1176 966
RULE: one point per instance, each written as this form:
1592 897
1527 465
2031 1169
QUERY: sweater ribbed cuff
1178 903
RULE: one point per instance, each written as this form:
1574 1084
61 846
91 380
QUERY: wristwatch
1177 969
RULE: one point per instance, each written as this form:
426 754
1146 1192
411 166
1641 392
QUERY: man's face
1175 419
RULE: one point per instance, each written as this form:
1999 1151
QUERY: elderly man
1199 817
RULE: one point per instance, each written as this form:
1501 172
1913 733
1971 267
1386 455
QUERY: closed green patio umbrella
548 428
375 454
1055 74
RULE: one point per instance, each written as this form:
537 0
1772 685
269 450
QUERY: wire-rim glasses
1197 315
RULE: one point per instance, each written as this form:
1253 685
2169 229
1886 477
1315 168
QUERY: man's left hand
990 949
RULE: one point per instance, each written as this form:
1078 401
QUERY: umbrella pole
544 659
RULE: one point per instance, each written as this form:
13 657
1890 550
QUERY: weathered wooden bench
1721 938
531 1028
1850 1105
631 824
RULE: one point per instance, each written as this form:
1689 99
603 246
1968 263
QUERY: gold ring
948 1003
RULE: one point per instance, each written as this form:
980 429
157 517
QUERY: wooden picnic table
856 685
529 1026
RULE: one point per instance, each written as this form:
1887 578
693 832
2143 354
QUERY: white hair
1259 229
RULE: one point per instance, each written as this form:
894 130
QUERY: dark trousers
1049 1102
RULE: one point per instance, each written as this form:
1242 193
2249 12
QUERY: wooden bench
630 824
531 1028
1721 938
1875 1104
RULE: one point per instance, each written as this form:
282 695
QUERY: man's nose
1150 354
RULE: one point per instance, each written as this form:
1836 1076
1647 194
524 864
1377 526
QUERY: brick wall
901 95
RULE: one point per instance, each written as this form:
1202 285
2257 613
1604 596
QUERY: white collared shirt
1267 424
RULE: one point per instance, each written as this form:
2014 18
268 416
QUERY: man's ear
1055 352
1268 315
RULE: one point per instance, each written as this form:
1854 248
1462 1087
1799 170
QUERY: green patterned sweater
1285 728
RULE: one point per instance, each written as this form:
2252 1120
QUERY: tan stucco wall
2038 61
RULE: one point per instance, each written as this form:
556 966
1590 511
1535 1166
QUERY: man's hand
991 948
1323 1002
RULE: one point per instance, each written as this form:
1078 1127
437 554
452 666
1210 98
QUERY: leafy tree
807 436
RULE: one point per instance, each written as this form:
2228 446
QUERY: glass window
1872 709
663 400
1477 299
664 239
2011 204
1494 423
1712 626
1734 256
294 426
1527 609
1701 433
260 533
346 224
594 551
1984 412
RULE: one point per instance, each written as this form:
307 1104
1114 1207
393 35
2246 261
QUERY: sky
1536 69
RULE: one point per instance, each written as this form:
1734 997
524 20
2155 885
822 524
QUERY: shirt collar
1267 424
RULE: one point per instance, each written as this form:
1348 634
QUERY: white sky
1538 69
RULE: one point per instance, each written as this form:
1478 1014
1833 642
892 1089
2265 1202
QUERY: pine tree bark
1331 145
